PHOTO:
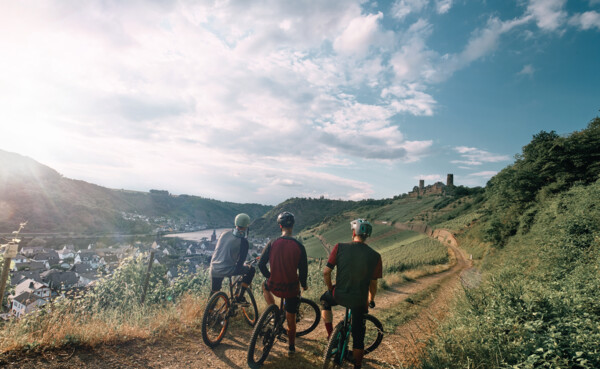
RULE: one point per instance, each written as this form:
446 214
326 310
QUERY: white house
25 303
66 253
37 288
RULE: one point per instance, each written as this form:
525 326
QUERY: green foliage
535 317
548 164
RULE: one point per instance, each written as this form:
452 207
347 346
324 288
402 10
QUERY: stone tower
421 184
450 180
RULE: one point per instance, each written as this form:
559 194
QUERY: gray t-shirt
227 254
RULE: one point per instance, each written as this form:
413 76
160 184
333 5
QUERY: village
40 275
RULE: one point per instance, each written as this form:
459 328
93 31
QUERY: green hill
308 212
536 238
51 203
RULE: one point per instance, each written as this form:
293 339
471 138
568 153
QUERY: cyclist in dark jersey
285 255
358 268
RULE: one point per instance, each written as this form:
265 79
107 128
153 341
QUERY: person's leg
327 302
216 285
247 277
358 336
291 305
291 321
268 295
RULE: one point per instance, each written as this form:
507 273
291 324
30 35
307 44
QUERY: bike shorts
290 304
358 319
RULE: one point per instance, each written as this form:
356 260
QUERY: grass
314 247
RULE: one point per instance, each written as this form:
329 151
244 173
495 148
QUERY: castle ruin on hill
438 188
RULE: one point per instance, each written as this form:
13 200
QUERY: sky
260 101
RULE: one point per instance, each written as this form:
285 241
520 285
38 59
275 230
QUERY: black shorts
358 319
290 304
327 300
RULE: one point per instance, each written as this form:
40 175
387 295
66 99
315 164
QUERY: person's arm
372 290
331 262
264 259
377 273
303 267
243 253
327 277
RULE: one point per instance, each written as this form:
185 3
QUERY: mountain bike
270 328
221 307
339 345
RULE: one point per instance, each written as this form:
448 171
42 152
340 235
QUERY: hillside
536 240
308 212
52 203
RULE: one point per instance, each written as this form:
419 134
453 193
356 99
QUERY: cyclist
285 255
229 256
358 268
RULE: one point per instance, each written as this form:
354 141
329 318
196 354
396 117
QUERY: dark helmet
361 227
285 219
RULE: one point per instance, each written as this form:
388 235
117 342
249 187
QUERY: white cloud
528 70
487 173
402 8
443 6
362 32
585 21
548 14
472 156
126 91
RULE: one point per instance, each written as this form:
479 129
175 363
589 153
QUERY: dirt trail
398 349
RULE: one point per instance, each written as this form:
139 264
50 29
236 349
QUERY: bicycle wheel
307 318
373 333
215 319
250 312
336 348
263 337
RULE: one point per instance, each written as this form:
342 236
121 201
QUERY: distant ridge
52 203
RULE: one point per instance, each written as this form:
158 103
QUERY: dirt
398 349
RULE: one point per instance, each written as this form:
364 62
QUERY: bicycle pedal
282 339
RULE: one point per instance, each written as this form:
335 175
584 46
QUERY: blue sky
259 101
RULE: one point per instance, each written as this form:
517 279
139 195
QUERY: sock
329 328
292 348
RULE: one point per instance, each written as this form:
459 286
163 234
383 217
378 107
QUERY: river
197 236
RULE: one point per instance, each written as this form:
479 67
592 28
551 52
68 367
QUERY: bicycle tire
373 334
250 313
334 353
264 330
215 319
305 323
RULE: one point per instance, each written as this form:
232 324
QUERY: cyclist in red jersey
286 256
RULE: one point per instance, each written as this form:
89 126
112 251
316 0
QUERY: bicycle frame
347 331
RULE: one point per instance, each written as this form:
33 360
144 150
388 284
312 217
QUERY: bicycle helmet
361 227
285 219
242 220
